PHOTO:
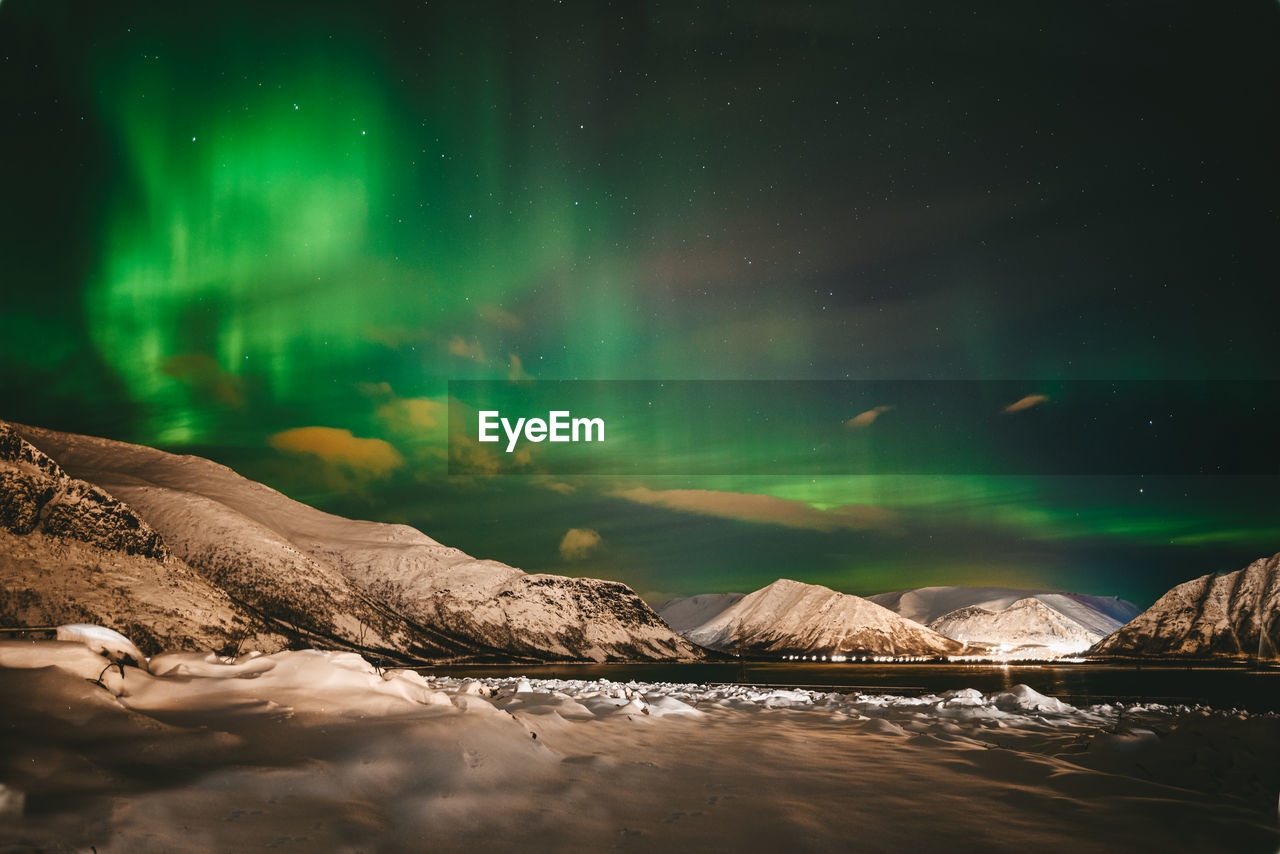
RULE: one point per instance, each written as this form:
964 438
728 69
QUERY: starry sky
273 234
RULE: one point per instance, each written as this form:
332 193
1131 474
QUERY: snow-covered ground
320 751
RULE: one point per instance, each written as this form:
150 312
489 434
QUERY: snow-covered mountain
1026 623
1010 618
368 585
1102 614
689 612
789 617
1235 614
71 552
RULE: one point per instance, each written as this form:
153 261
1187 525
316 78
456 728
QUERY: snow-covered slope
1236 614
789 617
72 552
1069 622
689 612
365 584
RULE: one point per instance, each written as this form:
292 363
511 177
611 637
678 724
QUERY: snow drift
308 751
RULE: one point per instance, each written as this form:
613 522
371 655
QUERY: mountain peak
1026 623
792 617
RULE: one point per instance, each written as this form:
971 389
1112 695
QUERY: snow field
307 750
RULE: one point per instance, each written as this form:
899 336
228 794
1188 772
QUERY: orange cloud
578 543
866 419
1027 402
497 316
333 445
465 349
749 507
412 414
469 455
515 370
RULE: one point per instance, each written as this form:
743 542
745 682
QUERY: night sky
271 234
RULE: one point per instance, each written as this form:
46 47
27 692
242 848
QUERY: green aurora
281 233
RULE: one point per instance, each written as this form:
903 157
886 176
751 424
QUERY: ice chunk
475 688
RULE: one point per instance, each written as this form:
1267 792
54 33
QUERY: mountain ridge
359 584
1099 614
1230 615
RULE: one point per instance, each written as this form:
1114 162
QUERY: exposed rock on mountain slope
361 584
689 612
789 617
71 552
1234 615
1099 615
1026 623
35 493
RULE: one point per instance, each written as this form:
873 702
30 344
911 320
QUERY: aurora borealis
271 236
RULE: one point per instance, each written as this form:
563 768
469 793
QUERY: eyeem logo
557 427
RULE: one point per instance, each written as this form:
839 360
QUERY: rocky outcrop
72 552
36 494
